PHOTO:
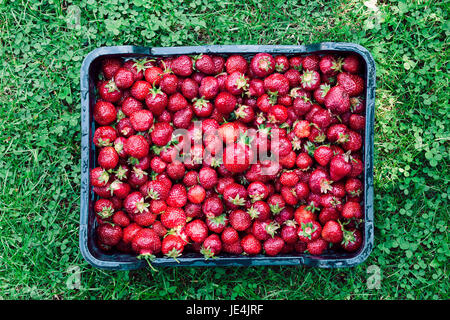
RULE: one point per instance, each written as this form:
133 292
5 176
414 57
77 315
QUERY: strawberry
352 210
351 83
255 88
277 114
236 83
319 181
257 191
138 67
236 63
233 248
263 230
144 219
304 161
229 235
353 187
131 105
357 122
135 203
202 107
155 189
225 102
207 177
110 66
108 91
304 214
277 83
141 120
205 64
219 64
354 141
296 63
196 194
289 178
209 88
262 65
140 89
337 100
172 246
323 155
317 247
161 133
250 245
321 92
153 75
293 76
259 210
197 230
120 189
189 88
352 240
302 105
109 234
182 66
309 231
237 157
240 220
169 83
357 168
104 113
173 217
212 207
337 133
108 158
136 146
276 203
104 208
351 64
123 78
235 195
273 246
146 241
211 247
332 232
218 223
281 63
289 232
177 196
310 80
99 177
130 231
311 62
245 113
330 65
340 166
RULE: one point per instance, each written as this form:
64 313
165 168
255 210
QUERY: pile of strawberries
229 154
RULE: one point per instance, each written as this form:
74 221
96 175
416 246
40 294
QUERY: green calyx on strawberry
253 212
265 130
104 176
325 185
238 201
307 229
265 64
207 253
273 97
139 172
174 253
290 223
142 206
142 64
133 161
272 228
276 208
149 258
111 86
311 207
106 212
310 148
200 103
296 143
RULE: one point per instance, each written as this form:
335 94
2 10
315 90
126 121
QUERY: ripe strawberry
332 232
319 181
108 158
177 196
273 246
225 103
301 105
104 113
357 168
323 155
202 107
182 66
141 120
136 146
263 230
172 246
257 191
330 65
317 247
352 240
289 232
120 189
134 203
304 161
218 223
196 194
205 64
211 247
229 235
237 157
140 89
354 141
337 133
173 217
255 88
352 63
99 177
240 220
311 62
155 189
108 91
236 83
109 234
212 206
259 210
262 65
353 187
309 231
110 66
352 210
104 208
235 195
233 248
340 166
236 63
244 113
251 245
131 105
351 83
161 133
197 230
138 67
321 92
219 64
157 206
209 88
169 83
277 114
304 214
146 241
183 118
276 203
123 78
144 219
281 63
337 100
310 80
207 177
277 83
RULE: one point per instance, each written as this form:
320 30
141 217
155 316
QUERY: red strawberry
121 219
211 247
173 217
340 166
277 114
257 191
330 65
144 219
104 208
293 76
236 83
99 177
337 133
123 78
259 210
351 83
196 194
229 235
182 66
289 232
153 75
352 210
219 64
352 240
240 220
104 113
120 189
212 207
337 100
317 247
169 83
172 246
236 63
104 136
311 62
235 195
309 231
302 105
321 92
289 178
134 203
209 87
131 105
177 196
205 64
281 63
202 107
251 245
109 234
110 66
276 203
130 231
273 246
140 90
156 101
108 158
323 155
357 168
197 230
237 157
262 65
296 63
310 80
263 230
225 102
352 63
278 83
319 181
161 133
244 113
108 91
157 206
146 241
189 88
255 88
354 141
217 224
141 120
207 177
303 161
136 146
332 232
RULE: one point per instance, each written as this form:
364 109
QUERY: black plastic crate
120 261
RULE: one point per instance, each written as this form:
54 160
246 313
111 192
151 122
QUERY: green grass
40 143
